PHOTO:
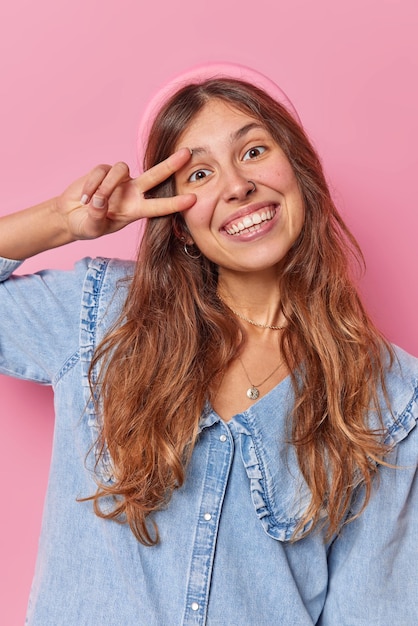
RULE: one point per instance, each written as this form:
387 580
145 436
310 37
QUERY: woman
226 399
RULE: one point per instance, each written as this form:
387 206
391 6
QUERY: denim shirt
224 558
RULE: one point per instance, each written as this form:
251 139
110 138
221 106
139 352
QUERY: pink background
75 77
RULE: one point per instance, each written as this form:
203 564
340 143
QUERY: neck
255 296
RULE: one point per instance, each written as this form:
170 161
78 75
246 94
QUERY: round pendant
253 393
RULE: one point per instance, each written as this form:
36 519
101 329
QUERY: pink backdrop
75 77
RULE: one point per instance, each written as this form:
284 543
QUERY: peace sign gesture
107 199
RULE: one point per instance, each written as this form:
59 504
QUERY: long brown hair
160 364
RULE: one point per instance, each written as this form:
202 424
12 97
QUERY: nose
237 187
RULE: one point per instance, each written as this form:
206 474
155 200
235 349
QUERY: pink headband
199 75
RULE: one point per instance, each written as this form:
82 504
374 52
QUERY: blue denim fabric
225 558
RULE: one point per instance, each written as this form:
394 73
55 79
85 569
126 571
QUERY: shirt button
195 606
223 438
207 517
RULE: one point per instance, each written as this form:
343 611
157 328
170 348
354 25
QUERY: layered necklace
253 392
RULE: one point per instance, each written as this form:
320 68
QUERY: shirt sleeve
39 320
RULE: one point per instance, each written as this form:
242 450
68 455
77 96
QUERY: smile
251 223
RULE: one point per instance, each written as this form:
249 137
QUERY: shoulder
400 412
101 268
105 288
104 278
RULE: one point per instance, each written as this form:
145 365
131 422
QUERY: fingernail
98 203
84 199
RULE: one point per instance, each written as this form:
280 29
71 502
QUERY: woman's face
237 226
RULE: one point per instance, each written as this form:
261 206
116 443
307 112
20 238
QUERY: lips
250 222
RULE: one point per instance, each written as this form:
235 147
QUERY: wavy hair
158 367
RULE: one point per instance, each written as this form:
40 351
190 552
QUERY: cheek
297 217
199 216
300 218
278 177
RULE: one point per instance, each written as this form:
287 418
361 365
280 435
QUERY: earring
191 256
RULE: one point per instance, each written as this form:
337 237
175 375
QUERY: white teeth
250 222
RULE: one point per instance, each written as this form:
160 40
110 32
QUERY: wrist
57 224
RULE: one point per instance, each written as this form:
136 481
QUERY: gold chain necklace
253 392
247 319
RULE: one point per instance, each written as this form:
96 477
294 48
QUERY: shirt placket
219 462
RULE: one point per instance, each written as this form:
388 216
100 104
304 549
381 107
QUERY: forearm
33 230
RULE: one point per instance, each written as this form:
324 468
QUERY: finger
119 173
157 207
93 182
96 221
160 172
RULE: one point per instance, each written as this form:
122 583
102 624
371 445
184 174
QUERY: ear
181 231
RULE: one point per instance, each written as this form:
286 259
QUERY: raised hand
107 199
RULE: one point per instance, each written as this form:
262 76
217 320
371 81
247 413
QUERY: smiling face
239 227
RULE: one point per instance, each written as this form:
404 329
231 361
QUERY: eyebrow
238 134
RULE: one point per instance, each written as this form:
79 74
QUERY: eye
253 153
199 175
